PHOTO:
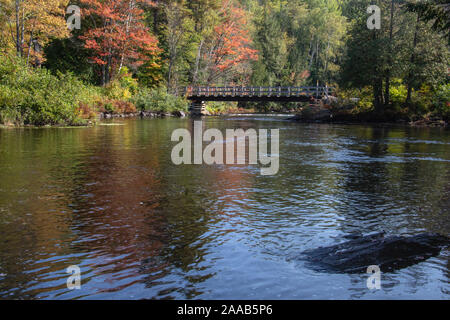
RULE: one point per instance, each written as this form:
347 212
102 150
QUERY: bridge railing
233 91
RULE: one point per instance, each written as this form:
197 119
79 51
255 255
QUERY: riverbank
381 121
36 97
322 112
288 117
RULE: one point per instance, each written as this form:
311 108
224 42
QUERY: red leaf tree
118 36
232 44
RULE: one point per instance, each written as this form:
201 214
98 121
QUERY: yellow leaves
46 18
38 21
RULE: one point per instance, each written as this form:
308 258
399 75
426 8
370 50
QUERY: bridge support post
198 108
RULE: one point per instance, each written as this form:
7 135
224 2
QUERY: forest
122 56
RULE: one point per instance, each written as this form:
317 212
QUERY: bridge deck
256 93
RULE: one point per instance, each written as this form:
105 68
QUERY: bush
30 96
158 100
124 107
398 93
34 96
441 101
115 91
218 107
123 87
361 99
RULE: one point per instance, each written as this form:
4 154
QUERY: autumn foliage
30 25
233 41
119 37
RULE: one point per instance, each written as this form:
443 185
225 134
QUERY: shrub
397 92
85 112
123 87
361 99
109 107
127 81
158 100
34 96
115 91
124 107
218 107
441 101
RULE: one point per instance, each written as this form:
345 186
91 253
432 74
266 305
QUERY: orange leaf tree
118 36
231 44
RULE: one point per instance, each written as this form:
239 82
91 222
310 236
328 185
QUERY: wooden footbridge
198 95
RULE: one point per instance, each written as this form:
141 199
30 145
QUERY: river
109 200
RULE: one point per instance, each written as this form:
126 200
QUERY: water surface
109 200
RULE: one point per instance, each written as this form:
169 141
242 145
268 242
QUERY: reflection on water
109 200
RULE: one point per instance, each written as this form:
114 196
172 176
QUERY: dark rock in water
389 253
353 236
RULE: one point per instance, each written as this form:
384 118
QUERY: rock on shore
143 114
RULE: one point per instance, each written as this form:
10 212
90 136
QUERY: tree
231 45
299 41
205 15
389 55
364 61
437 11
6 10
33 23
273 43
404 48
224 47
119 36
178 35
428 58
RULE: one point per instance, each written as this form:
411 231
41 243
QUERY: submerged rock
389 253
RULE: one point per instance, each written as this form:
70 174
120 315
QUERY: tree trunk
155 17
312 53
169 74
326 79
103 80
377 88
197 62
127 30
388 71
412 59
107 69
18 28
378 95
22 32
29 47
